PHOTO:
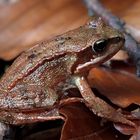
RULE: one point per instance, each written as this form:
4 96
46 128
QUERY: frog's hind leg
19 118
97 105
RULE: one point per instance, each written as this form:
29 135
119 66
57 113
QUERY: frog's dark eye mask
100 54
100 45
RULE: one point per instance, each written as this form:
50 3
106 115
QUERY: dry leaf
82 124
120 87
27 22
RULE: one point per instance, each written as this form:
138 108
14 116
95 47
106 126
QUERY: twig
135 32
131 45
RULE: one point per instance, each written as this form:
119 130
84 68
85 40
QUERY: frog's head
103 43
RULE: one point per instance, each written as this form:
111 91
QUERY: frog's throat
87 66
94 62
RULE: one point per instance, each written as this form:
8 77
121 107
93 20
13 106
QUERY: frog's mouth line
98 60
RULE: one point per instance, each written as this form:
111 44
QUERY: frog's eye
100 45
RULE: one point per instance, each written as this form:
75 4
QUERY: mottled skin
38 77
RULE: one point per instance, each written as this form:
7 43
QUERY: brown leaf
27 22
82 124
121 87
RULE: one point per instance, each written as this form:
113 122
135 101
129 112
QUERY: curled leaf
82 124
120 87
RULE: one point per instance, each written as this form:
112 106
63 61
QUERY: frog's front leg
97 105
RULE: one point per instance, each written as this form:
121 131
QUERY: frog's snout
116 40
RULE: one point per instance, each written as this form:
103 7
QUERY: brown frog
39 77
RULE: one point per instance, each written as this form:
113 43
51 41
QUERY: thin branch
135 32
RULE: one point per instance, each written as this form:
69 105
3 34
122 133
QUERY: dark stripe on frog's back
53 72
39 90
25 64
36 56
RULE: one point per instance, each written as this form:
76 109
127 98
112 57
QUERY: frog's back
70 42
19 87
30 60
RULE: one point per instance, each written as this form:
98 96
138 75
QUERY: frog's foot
19 118
102 109
98 106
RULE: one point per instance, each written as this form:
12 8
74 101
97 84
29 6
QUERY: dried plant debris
131 45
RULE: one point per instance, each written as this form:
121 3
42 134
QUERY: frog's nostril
118 39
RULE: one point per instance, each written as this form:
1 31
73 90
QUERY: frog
39 77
